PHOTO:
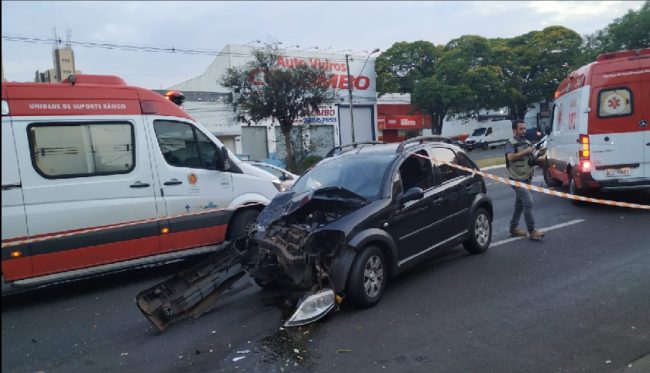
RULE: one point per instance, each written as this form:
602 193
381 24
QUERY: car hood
303 206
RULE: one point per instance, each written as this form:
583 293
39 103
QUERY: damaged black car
362 215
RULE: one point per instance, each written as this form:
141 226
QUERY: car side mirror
411 195
221 159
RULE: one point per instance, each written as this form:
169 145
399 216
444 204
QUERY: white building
330 127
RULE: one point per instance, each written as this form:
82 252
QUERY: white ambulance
599 137
99 176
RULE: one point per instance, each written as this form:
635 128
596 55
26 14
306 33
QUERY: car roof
387 148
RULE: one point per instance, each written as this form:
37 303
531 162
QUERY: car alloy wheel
482 230
373 276
367 278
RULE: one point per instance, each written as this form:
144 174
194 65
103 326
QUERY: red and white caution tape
520 184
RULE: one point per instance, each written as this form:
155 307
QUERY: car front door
190 184
413 223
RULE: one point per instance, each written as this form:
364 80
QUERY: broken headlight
312 308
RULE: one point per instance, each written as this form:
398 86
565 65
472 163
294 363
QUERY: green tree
262 89
541 60
402 65
632 31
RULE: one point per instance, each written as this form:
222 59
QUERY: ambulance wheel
550 181
485 146
242 224
573 190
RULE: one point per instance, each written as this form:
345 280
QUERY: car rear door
455 186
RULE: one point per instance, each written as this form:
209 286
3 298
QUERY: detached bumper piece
189 292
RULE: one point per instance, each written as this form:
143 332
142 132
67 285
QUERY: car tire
480 232
573 190
242 224
550 181
485 146
367 278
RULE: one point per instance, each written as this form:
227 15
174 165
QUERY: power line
153 49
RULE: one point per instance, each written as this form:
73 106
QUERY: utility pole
347 64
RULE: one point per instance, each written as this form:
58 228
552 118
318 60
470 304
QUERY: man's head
518 128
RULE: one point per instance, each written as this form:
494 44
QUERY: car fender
479 199
341 264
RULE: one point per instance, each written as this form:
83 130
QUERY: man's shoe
517 232
535 235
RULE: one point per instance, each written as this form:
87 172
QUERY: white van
599 136
99 176
490 134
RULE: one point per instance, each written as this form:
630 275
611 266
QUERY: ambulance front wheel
242 224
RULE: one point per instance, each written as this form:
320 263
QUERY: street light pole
347 64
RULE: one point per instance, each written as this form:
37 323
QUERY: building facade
64 66
331 126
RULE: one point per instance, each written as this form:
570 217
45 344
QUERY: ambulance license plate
614 172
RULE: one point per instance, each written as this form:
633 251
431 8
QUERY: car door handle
173 182
139 184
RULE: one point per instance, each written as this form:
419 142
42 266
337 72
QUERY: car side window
183 145
416 171
441 158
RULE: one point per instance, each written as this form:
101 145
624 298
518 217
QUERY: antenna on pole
68 43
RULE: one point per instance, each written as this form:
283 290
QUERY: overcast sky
209 26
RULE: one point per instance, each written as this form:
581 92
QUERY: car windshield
478 131
360 173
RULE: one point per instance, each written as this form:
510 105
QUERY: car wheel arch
342 263
480 201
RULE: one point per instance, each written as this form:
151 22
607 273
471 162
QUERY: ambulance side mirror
221 159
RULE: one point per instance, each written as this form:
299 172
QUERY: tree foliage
632 31
264 90
401 66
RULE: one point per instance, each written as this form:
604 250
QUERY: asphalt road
577 301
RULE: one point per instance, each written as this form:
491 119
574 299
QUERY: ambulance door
14 225
86 172
644 107
192 188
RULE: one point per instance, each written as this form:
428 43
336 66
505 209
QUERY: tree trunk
288 147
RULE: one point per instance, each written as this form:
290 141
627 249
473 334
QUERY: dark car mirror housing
221 159
411 195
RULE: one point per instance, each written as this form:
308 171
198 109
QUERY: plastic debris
343 350
243 351
238 358
124 354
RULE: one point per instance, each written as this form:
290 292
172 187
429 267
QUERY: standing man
520 163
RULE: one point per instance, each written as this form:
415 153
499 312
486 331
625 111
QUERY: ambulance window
614 102
182 145
81 149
